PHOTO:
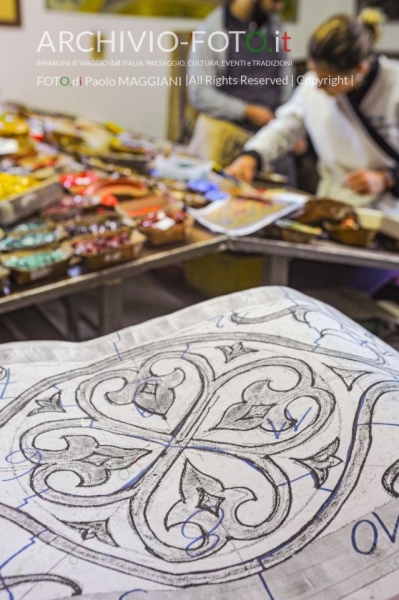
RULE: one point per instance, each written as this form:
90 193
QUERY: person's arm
273 141
368 181
206 97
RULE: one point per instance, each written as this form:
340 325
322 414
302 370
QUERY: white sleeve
206 97
281 134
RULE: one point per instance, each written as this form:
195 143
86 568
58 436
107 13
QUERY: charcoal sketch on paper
226 445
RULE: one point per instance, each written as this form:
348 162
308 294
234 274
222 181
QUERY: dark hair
343 42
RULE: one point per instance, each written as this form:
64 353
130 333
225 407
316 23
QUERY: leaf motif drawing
94 530
153 394
112 458
155 399
243 417
92 462
200 507
235 351
321 463
349 376
193 480
208 508
52 404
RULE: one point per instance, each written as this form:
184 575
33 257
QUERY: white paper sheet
244 448
284 204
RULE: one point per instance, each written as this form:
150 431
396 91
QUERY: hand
367 182
258 115
301 147
244 168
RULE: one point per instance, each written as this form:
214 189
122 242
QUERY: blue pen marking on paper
219 322
293 480
224 452
13 462
152 379
194 540
143 413
32 542
277 432
36 452
375 537
19 476
266 587
61 404
320 333
318 341
328 502
299 423
137 476
235 317
26 500
392 536
188 346
5 385
115 345
288 296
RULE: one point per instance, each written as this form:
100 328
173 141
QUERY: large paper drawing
225 445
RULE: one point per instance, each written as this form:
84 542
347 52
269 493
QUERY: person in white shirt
349 105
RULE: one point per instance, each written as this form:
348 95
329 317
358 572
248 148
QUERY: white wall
314 12
390 40
142 109
311 14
